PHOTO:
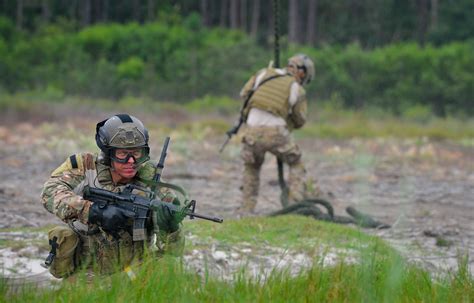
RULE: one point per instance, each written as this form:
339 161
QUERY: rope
276 26
276 61
309 208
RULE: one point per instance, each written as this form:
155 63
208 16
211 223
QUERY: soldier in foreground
100 235
275 104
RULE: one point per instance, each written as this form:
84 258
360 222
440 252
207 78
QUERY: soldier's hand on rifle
167 219
110 217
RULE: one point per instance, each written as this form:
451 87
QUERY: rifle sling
160 184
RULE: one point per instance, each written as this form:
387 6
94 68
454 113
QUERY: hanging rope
276 62
276 27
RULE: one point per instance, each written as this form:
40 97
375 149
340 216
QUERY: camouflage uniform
62 196
274 109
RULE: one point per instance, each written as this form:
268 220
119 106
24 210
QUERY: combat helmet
301 61
122 131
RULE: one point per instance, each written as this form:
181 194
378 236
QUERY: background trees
313 22
391 54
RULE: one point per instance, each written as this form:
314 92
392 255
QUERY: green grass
329 122
222 105
380 275
282 231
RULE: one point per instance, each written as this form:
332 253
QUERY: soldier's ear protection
306 70
100 137
303 67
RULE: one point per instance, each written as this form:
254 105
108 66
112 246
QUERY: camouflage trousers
104 254
278 141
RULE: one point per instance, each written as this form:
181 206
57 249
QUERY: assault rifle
235 129
140 206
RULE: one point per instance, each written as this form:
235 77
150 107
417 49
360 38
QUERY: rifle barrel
95 194
213 219
161 162
225 143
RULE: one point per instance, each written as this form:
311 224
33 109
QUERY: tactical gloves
110 217
167 219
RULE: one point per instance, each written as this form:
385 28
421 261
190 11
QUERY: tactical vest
272 96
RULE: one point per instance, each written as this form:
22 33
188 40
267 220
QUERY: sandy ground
423 189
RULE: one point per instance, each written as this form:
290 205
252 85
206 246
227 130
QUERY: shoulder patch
71 163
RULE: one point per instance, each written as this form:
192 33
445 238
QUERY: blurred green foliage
181 61
222 105
212 116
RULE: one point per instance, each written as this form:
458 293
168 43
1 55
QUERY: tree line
371 23
185 60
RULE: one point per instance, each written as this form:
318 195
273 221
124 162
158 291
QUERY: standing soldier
276 105
103 233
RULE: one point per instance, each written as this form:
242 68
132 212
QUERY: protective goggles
121 155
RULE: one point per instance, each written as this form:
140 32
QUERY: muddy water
424 189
